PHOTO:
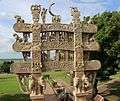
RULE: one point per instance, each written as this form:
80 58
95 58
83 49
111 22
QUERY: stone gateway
70 44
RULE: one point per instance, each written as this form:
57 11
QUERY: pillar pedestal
37 98
80 96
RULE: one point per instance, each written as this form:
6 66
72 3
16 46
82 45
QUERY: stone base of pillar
37 98
80 96
98 98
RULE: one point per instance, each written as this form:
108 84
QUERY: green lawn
116 75
9 84
57 75
9 89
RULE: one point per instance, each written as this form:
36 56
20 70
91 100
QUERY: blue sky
10 8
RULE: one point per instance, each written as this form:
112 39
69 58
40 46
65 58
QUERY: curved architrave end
21 46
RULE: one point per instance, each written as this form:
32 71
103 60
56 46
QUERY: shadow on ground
16 97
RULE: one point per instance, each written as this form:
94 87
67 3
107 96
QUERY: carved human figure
26 55
71 55
26 36
61 36
52 36
36 85
62 55
81 84
43 15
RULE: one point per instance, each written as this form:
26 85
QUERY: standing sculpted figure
36 85
43 14
81 84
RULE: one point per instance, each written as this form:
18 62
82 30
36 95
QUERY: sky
10 8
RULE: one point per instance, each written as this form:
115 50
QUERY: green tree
6 66
108 36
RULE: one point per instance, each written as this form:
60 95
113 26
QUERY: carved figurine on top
19 19
43 15
75 12
55 18
36 9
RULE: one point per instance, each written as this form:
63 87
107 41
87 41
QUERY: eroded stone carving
36 85
72 44
43 15
19 19
55 18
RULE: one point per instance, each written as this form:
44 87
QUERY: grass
116 75
9 89
8 84
57 75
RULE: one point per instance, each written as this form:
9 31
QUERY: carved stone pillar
57 55
36 86
48 54
66 55
79 79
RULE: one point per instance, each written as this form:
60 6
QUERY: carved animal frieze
21 47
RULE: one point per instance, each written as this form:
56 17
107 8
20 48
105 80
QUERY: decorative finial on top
19 19
36 9
55 18
75 12
76 15
43 14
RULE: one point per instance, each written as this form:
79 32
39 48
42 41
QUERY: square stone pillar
66 55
